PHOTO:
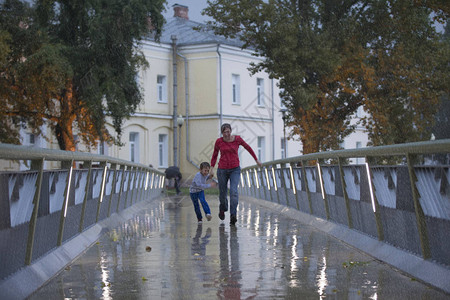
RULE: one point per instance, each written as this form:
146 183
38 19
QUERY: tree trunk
64 124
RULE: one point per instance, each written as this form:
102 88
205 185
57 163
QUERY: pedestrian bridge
395 208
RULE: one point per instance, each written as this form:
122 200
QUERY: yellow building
195 82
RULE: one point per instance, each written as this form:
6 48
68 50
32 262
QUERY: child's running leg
206 209
194 198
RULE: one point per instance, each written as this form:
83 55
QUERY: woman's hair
225 126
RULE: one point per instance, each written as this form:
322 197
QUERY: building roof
192 33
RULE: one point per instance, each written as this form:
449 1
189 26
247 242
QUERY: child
197 191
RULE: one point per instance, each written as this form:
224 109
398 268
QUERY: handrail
437 146
18 152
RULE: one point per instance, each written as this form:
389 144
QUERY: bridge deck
163 253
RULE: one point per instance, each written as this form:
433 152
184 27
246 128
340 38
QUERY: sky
195 7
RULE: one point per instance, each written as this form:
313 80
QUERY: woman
229 169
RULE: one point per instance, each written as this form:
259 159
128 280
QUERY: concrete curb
426 271
29 279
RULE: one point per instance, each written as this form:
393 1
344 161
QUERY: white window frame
163 151
161 88
260 92
134 146
261 148
31 139
235 89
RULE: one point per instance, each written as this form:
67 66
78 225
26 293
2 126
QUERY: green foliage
410 73
441 129
333 56
72 64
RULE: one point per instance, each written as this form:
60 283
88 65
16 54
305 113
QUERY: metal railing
42 208
405 204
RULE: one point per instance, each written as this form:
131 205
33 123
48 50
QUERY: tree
441 129
78 66
15 42
411 73
332 56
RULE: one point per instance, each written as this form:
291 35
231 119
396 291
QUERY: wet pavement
163 253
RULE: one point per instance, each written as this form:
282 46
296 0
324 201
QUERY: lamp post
180 122
283 112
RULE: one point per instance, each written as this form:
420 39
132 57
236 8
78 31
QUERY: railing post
275 183
142 184
62 219
130 177
39 166
138 179
420 215
102 190
283 181
294 186
374 200
133 187
252 180
264 179
122 180
86 195
324 193
257 182
308 193
113 187
344 191
147 192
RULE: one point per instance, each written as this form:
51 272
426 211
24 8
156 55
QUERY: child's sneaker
200 221
208 217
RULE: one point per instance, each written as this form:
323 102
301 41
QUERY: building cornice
200 48
203 117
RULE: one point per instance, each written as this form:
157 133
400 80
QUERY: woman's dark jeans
223 176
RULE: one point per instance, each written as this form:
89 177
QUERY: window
31 140
260 91
161 88
283 147
163 150
236 86
261 148
134 147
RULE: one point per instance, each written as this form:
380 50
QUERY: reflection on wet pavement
163 253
